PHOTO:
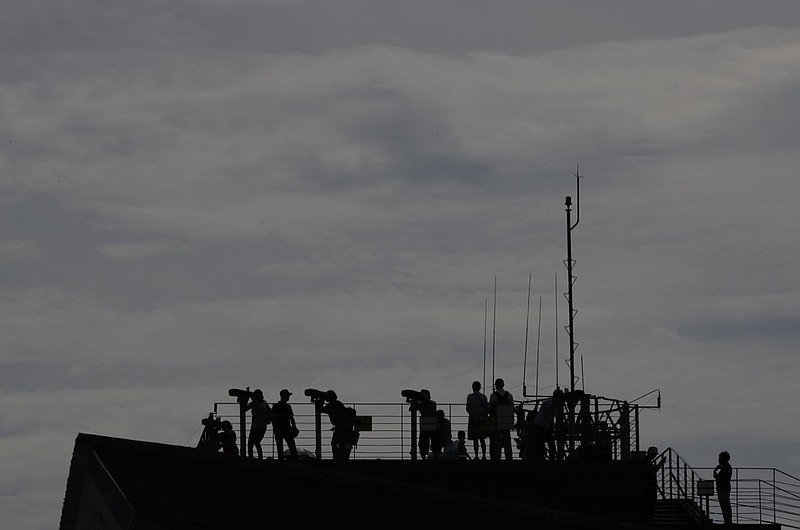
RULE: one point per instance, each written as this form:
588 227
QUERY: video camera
242 396
211 422
315 395
209 439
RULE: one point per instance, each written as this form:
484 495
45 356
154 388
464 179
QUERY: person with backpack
428 423
284 427
501 411
343 421
261 417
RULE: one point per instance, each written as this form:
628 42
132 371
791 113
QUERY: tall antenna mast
569 262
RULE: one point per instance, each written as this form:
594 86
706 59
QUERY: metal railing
758 495
390 434
388 439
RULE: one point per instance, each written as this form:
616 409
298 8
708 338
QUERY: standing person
284 427
343 421
478 410
547 430
501 409
258 425
428 425
443 436
722 476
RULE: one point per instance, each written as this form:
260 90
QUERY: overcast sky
204 194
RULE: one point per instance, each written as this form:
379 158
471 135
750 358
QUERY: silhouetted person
343 426
227 438
427 422
258 424
478 410
652 482
557 437
284 426
584 426
443 436
545 425
603 441
461 450
501 408
722 476
527 444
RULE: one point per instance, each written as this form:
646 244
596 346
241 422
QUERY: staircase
681 512
760 497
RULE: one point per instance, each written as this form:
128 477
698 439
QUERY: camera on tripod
212 423
209 439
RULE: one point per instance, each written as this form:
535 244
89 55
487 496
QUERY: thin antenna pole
485 314
525 356
494 329
538 340
555 302
583 379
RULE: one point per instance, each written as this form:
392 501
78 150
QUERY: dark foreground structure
119 484
124 484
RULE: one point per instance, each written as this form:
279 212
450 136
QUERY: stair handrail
678 481
775 499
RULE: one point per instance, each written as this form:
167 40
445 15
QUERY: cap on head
425 392
258 393
330 395
285 392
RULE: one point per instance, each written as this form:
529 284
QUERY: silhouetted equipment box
363 423
428 424
705 488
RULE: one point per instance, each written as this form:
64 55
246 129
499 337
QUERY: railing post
737 496
413 432
670 475
774 499
402 433
625 431
318 427
683 484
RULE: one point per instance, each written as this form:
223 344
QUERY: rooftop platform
119 484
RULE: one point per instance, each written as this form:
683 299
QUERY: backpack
504 412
